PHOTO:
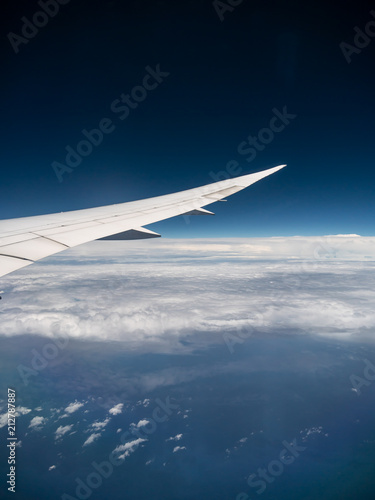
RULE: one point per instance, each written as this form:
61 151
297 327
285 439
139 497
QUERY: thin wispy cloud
178 448
62 430
124 450
175 438
93 437
100 425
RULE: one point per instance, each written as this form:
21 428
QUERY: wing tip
275 169
249 179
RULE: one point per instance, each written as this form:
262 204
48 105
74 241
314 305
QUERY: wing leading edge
26 240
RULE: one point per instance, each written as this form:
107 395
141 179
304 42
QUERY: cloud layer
152 295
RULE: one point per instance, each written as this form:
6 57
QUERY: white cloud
3 420
306 433
20 410
117 409
240 443
92 438
144 403
142 423
100 425
296 287
52 467
175 438
73 407
62 430
128 448
37 423
178 448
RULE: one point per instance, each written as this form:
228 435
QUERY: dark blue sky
225 79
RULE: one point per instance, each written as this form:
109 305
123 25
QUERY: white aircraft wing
26 240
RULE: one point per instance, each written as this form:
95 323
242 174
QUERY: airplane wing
26 240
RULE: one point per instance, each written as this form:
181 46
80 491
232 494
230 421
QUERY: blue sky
225 79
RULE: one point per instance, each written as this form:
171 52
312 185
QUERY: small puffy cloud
142 423
239 444
61 430
52 467
178 448
20 410
175 438
128 448
116 410
73 407
119 430
3 420
37 423
92 438
144 403
100 425
306 433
